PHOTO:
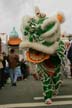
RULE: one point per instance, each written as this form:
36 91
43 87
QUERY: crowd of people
13 68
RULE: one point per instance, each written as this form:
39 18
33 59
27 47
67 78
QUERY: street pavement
28 94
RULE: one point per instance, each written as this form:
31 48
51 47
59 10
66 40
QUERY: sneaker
14 84
48 101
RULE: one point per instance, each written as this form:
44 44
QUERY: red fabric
49 65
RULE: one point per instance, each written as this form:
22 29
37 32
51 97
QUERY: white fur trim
65 39
40 47
54 29
53 38
24 23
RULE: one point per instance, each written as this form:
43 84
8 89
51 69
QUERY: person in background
67 61
69 55
1 68
13 60
1 72
5 67
24 69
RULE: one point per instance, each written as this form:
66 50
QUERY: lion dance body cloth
41 36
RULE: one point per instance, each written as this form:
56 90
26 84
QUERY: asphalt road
28 94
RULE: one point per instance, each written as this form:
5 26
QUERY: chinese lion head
41 35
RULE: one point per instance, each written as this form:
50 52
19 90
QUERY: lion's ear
37 10
60 17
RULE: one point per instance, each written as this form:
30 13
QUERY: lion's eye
37 13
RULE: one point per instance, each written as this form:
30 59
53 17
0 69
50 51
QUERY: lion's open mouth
36 56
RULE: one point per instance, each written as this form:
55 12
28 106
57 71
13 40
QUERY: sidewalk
27 92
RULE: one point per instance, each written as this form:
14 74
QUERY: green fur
34 31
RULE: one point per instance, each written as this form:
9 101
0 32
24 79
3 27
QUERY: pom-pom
60 17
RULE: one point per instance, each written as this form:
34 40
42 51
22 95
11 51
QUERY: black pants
1 78
71 70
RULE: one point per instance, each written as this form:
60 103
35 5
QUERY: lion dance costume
41 36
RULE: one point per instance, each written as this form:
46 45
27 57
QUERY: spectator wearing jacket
13 59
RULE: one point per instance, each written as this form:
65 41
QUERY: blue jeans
14 74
